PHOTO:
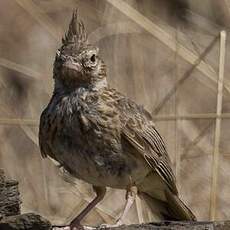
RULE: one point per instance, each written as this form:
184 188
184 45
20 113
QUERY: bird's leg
130 198
100 193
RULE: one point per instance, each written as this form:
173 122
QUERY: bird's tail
171 209
177 208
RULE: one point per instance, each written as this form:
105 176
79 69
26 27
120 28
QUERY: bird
102 137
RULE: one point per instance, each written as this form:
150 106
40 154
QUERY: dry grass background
142 66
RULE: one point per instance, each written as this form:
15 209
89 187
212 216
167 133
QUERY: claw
61 228
76 227
117 224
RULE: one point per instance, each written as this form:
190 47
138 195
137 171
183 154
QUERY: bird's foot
75 225
60 227
72 227
78 226
117 224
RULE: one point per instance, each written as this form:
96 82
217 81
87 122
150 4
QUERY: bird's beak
71 64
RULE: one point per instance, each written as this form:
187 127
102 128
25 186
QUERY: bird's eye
93 58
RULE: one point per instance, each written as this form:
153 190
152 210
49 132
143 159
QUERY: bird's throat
100 84
70 86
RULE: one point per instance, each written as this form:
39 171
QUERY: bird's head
77 63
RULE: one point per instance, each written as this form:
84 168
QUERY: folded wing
138 129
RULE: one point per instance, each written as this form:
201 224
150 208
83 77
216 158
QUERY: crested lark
102 137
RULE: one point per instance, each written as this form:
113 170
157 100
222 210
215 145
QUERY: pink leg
100 192
130 198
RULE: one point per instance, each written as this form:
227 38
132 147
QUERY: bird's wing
47 129
42 136
138 129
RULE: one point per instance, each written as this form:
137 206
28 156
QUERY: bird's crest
76 33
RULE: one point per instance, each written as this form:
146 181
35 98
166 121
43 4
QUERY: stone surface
9 196
219 225
28 221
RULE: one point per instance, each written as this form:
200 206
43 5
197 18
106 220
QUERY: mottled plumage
102 137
